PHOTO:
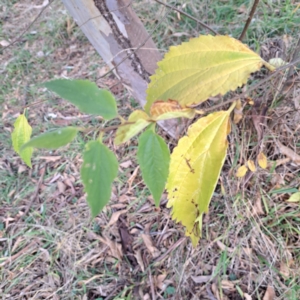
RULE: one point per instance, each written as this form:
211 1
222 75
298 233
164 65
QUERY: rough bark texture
115 31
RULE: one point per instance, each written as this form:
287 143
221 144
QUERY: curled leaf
161 110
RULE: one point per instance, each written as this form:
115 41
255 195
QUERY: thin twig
34 196
27 28
296 54
152 286
172 248
249 19
187 15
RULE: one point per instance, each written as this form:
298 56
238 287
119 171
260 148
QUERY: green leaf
154 158
20 136
201 68
86 96
99 169
53 139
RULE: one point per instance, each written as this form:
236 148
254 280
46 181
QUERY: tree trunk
115 31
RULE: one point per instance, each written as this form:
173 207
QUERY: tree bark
116 32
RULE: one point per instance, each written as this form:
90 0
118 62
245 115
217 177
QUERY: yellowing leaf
238 112
139 120
203 67
20 136
251 165
262 160
194 170
161 110
294 198
241 172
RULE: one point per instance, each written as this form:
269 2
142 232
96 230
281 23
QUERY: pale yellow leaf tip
241 171
262 160
294 198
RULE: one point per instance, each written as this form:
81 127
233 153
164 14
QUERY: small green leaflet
20 136
154 158
53 139
98 171
86 96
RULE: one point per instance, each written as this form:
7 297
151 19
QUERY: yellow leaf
201 68
194 170
294 198
262 160
139 120
161 110
241 172
20 136
238 112
251 165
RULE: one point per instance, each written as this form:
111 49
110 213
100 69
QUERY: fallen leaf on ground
138 256
270 293
115 248
4 43
247 296
241 171
201 279
223 247
294 198
115 217
228 285
284 269
288 152
159 281
126 164
50 158
132 177
257 207
251 165
262 160
61 187
238 112
149 244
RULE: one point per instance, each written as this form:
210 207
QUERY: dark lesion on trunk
123 41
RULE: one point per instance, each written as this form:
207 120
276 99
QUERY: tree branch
249 19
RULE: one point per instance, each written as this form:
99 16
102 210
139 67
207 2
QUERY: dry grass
251 234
